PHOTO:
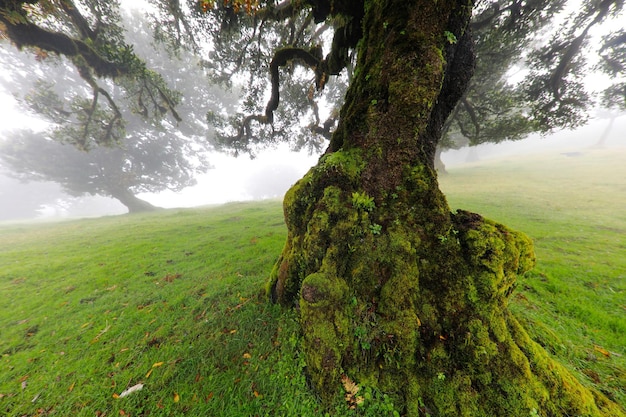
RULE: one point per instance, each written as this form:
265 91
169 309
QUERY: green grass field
173 300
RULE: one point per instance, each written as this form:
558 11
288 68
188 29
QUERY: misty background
273 171
267 176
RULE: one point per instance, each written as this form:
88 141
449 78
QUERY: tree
393 289
91 37
153 156
117 172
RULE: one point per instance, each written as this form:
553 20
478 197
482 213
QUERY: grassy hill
173 300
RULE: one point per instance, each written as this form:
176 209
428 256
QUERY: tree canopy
152 156
532 60
90 35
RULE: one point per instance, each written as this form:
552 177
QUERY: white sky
229 178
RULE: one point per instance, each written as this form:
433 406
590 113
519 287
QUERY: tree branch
26 34
473 117
281 58
78 19
560 72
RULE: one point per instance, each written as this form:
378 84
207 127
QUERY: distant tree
153 156
141 165
91 36
392 289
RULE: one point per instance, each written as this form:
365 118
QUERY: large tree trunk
132 202
393 290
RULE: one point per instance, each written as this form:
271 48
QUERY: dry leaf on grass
129 391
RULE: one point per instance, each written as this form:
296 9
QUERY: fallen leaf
130 390
349 385
103 331
602 351
595 377
208 397
233 331
176 397
157 364
171 277
71 388
256 394
149 373
351 390
247 355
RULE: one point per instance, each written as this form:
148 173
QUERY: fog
272 172
268 175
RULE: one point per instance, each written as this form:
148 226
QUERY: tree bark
395 291
132 202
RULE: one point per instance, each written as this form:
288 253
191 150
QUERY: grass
574 301
172 300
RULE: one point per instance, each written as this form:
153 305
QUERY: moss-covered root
510 377
325 326
488 365
440 345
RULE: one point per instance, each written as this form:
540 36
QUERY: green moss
393 289
348 163
326 328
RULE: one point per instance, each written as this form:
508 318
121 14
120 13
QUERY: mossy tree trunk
393 289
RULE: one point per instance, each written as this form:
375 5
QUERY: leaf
176 397
157 364
349 385
602 351
247 355
171 277
103 331
351 390
149 373
130 390
71 388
